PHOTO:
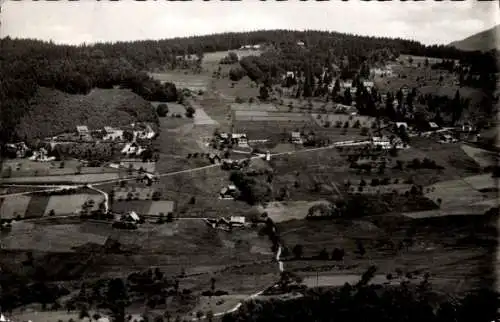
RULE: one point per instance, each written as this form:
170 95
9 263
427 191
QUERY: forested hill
27 64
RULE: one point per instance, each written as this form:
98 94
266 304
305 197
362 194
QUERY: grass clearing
482 157
70 204
194 82
158 207
80 178
135 193
284 211
13 207
49 238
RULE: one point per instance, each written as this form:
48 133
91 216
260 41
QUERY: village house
228 192
214 158
143 131
19 149
346 109
368 85
433 126
112 134
41 155
296 138
132 149
237 221
300 43
401 124
83 132
346 84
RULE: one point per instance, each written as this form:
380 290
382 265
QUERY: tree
212 284
170 217
52 212
190 111
236 74
117 299
338 254
210 316
298 251
128 135
263 93
323 254
162 110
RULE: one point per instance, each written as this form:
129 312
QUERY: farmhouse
368 85
131 216
143 131
41 156
346 84
346 109
296 138
18 149
83 132
237 220
433 126
401 124
132 149
228 192
214 158
111 134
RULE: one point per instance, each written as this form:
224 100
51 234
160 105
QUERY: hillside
483 41
52 112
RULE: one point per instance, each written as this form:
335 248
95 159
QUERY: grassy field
184 79
452 259
13 207
174 109
70 204
54 112
79 178
482 157
27 168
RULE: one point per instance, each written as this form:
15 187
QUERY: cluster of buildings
227 224
142 131
238 139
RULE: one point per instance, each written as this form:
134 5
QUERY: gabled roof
82 128
134 215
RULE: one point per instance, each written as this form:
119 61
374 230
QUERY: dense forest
26 65
364 302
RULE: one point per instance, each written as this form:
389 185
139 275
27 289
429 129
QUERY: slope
52 112
483 41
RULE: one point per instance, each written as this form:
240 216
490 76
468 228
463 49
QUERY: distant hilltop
483 41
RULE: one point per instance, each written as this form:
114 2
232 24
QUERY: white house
403 124
143 131
433 126
3 318
368 85
300 43
237 220
112 133
296 138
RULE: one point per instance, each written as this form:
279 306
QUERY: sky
90 21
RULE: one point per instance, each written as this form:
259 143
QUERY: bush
162 110
190 111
